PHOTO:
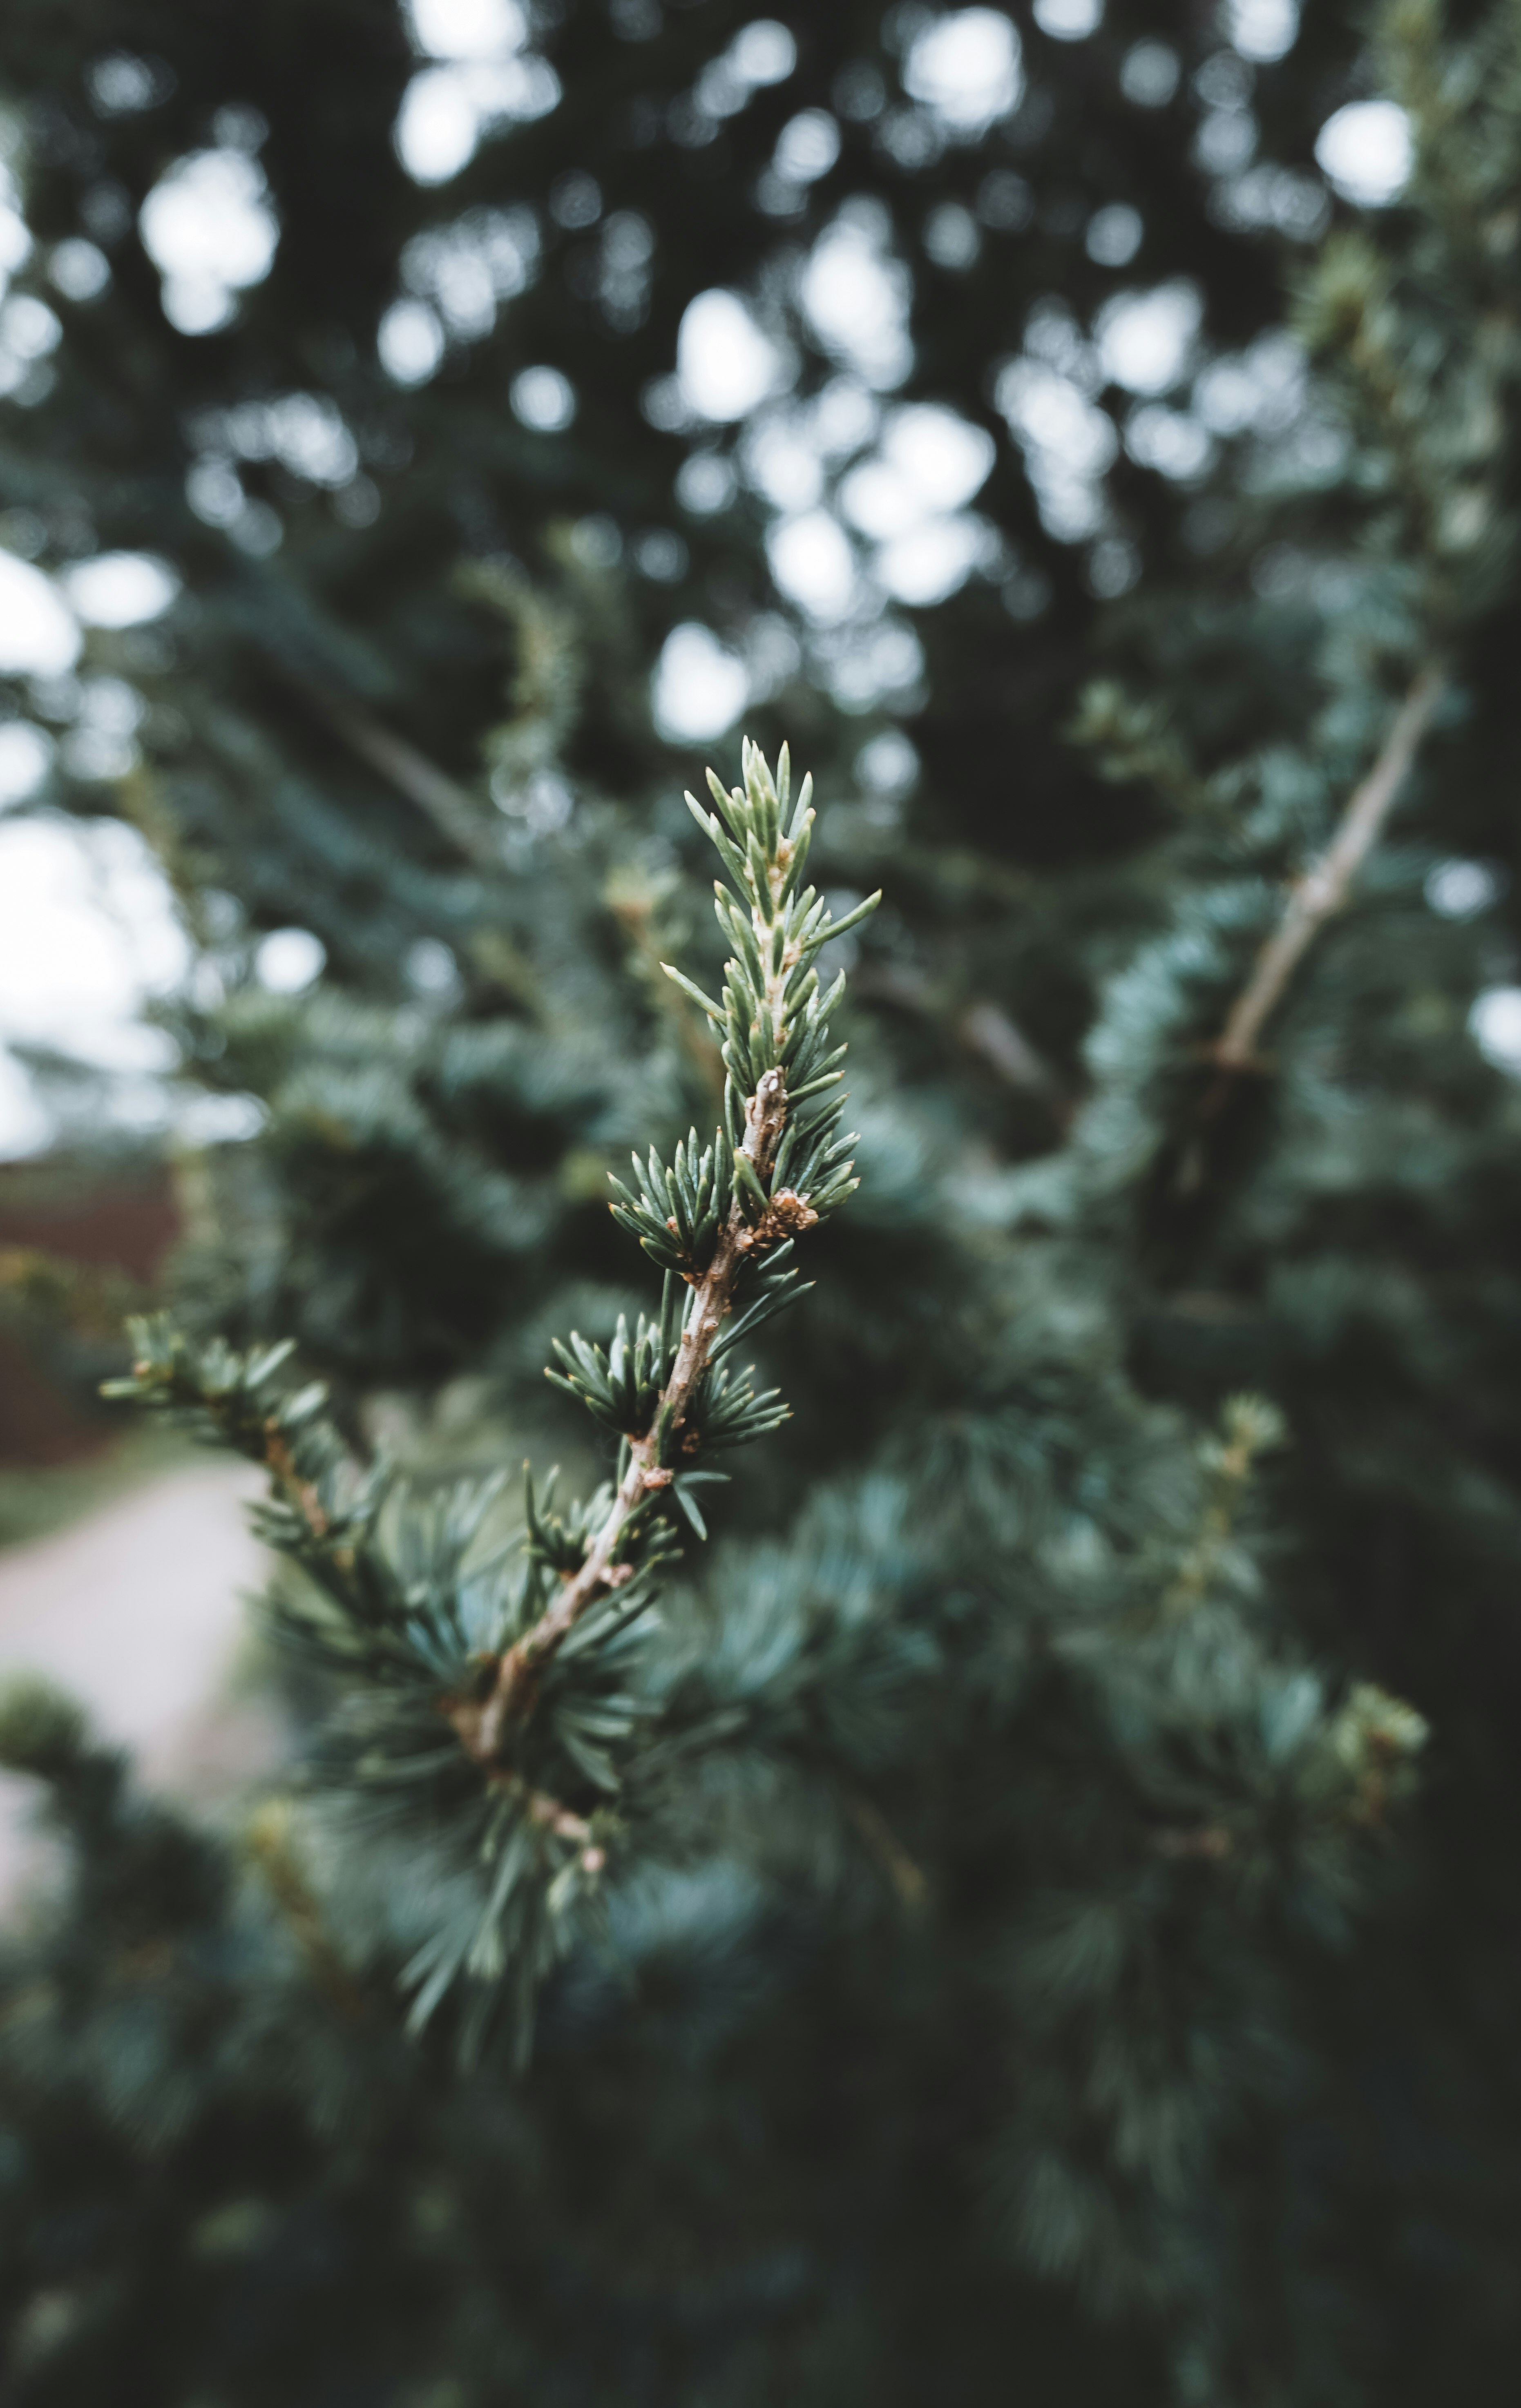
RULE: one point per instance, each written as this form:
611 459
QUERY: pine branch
506 1688
1323 889
1251 1426
773 1019
234 1398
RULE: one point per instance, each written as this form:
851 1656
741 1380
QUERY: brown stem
280 1465
482 1723
550 1815
906 1876
1324 887
448 804
1205 1844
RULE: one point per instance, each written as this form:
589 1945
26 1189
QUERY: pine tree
1025 1901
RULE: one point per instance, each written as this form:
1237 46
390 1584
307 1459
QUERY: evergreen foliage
1029 1904
539 1670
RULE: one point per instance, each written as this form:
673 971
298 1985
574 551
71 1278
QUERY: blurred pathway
138 1611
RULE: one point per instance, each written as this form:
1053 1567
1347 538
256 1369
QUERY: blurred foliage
1039 1963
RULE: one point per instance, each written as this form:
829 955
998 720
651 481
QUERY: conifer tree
1026 1900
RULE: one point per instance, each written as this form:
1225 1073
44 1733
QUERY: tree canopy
1005 1879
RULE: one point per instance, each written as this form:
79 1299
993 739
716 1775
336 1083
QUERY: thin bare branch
1323 889
987 1030
906 1876
449 806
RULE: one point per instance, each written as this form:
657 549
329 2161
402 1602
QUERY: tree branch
483 1722
449 806
905 1875
1324 887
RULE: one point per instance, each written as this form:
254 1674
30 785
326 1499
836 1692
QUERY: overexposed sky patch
25 757
699 687
813 564
725 364
89 934
1147 339
928 562
289 960
965 68
544 399
1069 443
483 76
762 52
855 295
209 225
910 499
39 635
467 29
1495 1024
1068 21
15 240
1262 30
939 453
409 342
1460 890
121 589
807 147
1368 151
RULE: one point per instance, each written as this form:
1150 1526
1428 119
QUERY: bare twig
1324 887
1206 1843
905 1875
549 1815
987 1030
451 807
448 804
984 1028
